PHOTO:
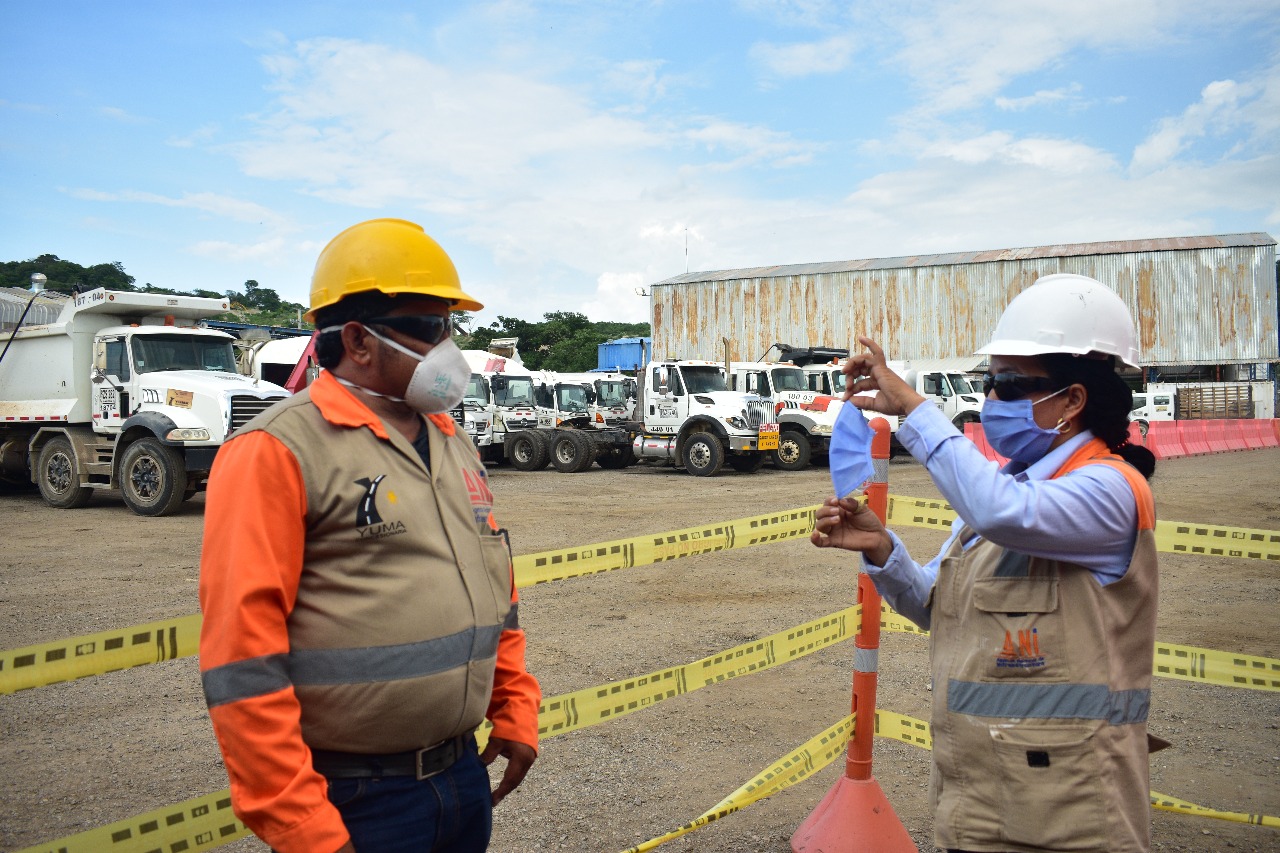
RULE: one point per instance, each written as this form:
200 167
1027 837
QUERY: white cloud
122 116
619 298
226 251
1044 96
222 206
805 58
1249 111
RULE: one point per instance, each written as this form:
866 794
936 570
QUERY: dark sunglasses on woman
1015 386
428 328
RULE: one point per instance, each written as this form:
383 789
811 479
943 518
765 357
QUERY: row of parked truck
132 392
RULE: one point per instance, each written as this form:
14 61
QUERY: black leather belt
422 763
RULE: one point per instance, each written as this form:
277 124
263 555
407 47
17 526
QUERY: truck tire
618 458
793 451
56 476
702 454
572 451
1143 426
966 418
528 450
746 463
153 478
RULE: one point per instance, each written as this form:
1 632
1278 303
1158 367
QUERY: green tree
65 276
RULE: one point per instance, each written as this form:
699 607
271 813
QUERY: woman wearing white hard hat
1042 604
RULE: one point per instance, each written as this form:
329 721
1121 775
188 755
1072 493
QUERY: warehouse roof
1111 247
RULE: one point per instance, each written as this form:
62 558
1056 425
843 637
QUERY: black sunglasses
1015 386
428 328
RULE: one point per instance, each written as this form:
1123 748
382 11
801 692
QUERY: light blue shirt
1089 518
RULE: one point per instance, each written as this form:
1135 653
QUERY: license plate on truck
768 437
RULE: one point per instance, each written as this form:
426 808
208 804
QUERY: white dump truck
124 391
957 401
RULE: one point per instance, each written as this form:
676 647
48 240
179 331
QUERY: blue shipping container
625 354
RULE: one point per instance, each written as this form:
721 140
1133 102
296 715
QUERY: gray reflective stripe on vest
1049 701
1013 565
260 676
512 622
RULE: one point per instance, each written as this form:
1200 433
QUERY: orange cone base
855 815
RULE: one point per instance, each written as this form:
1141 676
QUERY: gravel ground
76 756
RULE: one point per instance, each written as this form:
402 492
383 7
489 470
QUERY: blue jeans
451 811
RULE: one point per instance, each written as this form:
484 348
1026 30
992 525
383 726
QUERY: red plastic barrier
1240 435
1163 440
975 433
1215 434
1135 435
1194 441
1268 432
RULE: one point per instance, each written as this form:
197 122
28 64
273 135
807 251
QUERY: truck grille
760 412
245 408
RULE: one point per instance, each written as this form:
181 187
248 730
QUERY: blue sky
564 153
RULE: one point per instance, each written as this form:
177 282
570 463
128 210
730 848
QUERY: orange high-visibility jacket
353 601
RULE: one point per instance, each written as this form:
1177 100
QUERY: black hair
358 308
1106 411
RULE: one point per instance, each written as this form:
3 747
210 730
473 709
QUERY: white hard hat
1065 312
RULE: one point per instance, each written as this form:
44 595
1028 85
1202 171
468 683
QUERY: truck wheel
618 458
746 463
966 418
793 451
702 455
56 476
527 450
572 451
1142 428
153 478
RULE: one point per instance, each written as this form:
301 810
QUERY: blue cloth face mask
1011 429
850 452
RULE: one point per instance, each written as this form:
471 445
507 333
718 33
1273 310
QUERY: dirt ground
79 755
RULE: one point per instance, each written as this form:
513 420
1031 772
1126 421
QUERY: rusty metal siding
1201 300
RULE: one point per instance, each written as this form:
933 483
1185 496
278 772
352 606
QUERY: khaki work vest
405 588
1041 687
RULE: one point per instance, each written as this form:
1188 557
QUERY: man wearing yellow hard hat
360 612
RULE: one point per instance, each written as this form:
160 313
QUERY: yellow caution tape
815 754
582 708
199 824
94 654
1165 803
1172 537
1188 663
601 557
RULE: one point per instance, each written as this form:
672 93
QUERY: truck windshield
701 380
153 353
788 379
571 398
519 392
612 393
837 382
477 391
962 385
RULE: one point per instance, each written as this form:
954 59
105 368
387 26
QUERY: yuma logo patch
369 523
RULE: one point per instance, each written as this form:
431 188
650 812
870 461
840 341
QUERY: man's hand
520 757
867 371
851 525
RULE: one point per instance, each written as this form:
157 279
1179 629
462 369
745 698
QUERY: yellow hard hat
390 256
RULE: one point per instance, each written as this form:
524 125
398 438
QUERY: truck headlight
737 423
188 435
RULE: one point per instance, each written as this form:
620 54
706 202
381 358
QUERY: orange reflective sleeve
251 561
513 707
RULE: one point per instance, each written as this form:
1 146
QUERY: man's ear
355 343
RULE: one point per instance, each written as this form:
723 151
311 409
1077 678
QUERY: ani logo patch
1024 654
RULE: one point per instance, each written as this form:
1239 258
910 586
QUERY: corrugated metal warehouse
1197 301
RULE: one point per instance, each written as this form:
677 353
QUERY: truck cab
805 416
686 415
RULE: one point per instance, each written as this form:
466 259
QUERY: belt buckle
417 760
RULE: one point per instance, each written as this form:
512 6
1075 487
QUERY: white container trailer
124 391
